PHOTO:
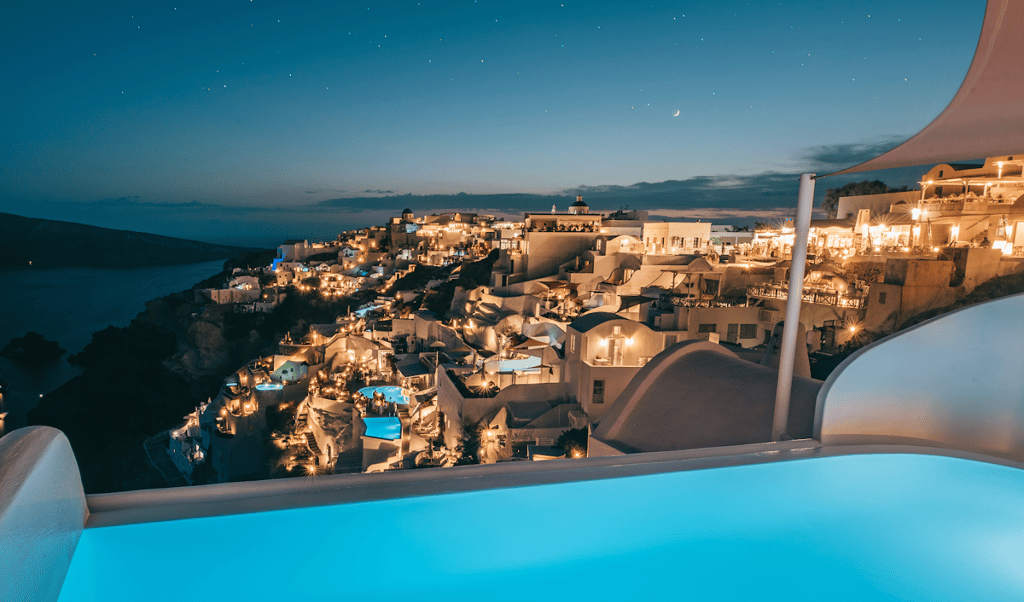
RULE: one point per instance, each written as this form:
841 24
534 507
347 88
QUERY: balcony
810 295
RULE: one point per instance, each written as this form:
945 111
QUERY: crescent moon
677 114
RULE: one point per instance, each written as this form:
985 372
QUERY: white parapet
42 513
953 382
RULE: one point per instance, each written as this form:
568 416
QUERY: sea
67 305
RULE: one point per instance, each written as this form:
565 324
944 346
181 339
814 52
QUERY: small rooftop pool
387 427
391 393
269 387
847 527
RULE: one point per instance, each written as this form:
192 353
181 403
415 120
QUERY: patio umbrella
437 346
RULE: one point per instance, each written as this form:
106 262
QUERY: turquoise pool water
870 527
269 387
391 393
383 428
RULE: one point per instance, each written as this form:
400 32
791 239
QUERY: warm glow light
915 213
853 329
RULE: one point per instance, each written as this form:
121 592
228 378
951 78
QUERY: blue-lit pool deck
845 527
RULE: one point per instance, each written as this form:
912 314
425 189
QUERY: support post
787 353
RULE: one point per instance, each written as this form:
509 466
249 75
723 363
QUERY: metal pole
787 354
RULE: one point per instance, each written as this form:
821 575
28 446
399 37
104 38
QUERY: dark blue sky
234 119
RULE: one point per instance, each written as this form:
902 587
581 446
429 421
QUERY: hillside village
572 333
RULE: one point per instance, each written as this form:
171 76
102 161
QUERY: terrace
820 296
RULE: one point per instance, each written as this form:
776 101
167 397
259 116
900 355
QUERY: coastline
69 305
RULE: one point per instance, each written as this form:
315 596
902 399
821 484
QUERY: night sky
233 120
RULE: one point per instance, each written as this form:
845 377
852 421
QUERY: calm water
870 527
67 305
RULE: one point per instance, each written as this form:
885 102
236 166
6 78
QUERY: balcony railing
820 296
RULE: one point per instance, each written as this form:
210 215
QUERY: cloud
136 201
834 157
378 191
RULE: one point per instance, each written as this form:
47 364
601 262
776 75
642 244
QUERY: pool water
389 428
391 393
860 527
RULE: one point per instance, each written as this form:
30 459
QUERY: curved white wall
956 382
42 513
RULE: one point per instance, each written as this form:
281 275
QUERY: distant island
32 349
27 242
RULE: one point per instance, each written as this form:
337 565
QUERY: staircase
350 461
311 443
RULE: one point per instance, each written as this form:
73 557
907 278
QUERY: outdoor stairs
349 461
311 443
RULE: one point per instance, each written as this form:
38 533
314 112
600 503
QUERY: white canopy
986 117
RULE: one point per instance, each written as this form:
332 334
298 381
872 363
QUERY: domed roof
697 394
406 210
593 319
579 203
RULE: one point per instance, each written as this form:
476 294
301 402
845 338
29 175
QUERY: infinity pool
860 527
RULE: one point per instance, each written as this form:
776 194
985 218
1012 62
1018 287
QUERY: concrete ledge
265 496
153 505
42 513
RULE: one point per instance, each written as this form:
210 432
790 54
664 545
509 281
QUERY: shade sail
986 117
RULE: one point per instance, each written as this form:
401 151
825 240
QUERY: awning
986 117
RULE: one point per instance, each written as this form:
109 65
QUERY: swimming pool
391 393
847 527
269 387
388 427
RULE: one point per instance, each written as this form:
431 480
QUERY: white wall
953 382
42 513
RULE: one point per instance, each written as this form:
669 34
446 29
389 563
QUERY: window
705 328
670 339
881 298
748 331
598 391
572 343
696 242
